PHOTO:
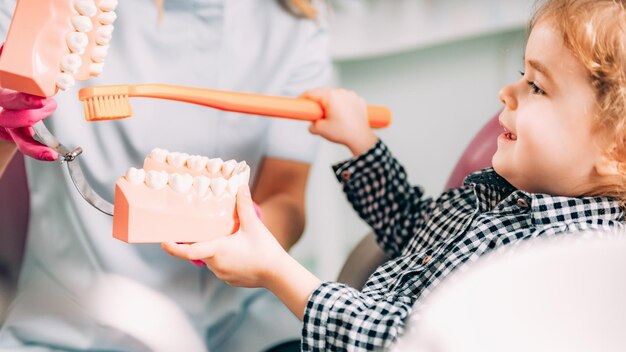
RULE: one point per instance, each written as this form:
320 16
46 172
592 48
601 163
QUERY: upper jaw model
51 44
177 197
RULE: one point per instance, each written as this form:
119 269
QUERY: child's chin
497 161
501 164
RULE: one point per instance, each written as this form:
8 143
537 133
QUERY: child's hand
346 119
245 258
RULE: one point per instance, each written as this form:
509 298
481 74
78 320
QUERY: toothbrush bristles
107 107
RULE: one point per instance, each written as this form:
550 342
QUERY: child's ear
608 166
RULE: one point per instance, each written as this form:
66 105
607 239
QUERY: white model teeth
241 166
86 17
65 81
82 23
228 168
243 171
181 183
159 155
104 34
233 185
218 186
177 159
197 163
199 176
86 7
201 185
77 42
108 5
99 53
95 68
136 176
107 17
157 179
214 165
70 63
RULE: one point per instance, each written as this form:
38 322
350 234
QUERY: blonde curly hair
595 32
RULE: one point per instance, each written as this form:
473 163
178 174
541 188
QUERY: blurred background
438 65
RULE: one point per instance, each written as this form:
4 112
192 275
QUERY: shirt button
426 259
345 174
522 203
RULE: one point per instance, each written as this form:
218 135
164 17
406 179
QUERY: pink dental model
53 43
177 197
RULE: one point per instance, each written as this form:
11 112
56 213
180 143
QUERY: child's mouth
509 135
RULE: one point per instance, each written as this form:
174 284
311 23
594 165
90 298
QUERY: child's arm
373 180
335 315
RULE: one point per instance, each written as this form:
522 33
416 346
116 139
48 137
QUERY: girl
559 168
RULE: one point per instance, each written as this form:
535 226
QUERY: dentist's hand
247 258
18 113
346 119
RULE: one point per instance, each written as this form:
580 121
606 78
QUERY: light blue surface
80 287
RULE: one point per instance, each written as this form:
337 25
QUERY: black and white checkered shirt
428 239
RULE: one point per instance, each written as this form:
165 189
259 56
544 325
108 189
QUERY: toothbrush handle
248 103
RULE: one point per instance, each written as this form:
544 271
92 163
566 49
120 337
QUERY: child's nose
507 97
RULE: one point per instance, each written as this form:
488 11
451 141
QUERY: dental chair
550 294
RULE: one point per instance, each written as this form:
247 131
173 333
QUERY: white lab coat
81 289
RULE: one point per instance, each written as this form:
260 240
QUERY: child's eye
535 89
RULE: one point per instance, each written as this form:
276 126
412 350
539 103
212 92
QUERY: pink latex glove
18 113
257 210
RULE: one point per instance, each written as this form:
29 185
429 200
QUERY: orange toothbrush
112 102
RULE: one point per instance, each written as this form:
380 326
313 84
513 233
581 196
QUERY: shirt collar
490 177
545 208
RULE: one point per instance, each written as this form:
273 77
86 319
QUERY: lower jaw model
177 197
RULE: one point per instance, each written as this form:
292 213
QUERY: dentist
79 288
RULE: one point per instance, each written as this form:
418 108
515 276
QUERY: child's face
549 147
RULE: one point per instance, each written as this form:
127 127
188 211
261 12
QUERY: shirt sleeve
376 185
290 139
339 318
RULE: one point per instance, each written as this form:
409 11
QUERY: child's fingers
317 94
320 96
176 249
313 128
196 251
203 250
245 208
